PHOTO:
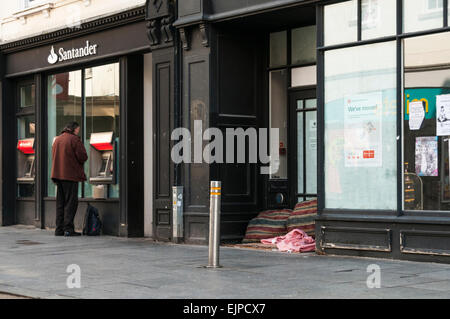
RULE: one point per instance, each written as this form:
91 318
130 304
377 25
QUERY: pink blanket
294 241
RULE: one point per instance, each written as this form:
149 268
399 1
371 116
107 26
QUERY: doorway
303 136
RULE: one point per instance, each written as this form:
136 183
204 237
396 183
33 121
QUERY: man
68 156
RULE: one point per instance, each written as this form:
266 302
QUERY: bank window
426 117
378 18
340 22
25 142
360 127
91 98
26 95
102 112
419 15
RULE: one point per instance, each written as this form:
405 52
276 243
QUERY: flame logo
52 58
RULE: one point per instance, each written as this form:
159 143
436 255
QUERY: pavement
34 263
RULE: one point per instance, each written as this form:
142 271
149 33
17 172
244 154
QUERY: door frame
295 95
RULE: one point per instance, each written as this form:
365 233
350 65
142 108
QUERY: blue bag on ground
92 222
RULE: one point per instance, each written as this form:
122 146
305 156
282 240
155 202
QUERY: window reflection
426 122
27 95
64 105
360 130
421 15
102 101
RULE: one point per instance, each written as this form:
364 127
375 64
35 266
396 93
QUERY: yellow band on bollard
216 188
215 193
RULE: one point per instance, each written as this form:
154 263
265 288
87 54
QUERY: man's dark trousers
66 205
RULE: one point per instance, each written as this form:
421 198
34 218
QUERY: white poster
363 130
416 115
443 115
427 156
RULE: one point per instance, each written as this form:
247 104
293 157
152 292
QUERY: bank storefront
383 95
93 75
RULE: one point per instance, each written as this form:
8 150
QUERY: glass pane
360 127
26 129
299 104
340 22
102 110
304 45
304 76
278 48
427 122
421 15
300 155
278 117
27 95
311 104
64 106
311 151
378 18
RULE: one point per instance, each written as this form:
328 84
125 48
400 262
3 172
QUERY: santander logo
52 58
70 54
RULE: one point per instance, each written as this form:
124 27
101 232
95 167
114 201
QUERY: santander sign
71 54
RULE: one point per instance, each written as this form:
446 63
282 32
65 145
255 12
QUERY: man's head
72 128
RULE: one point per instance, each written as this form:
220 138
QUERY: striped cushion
303 217
268 224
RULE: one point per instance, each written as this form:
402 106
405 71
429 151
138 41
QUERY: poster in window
443 115
363 130
416 115
427 156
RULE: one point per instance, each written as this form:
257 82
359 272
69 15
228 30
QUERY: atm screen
106 163
104 166
29 167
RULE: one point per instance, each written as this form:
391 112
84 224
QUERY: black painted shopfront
92 75
241 68
340 91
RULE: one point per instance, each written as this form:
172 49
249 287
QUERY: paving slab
34 263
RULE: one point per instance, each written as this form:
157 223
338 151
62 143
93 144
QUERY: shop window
419 15
26 93
360 127
427 122
278 49
303 45
340 22
278 117
25 160
64 105
99 112
102 100
25 143
378 18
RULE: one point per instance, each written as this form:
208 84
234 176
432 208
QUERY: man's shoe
71 234
59 233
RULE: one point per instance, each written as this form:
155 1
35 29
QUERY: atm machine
26 168
102 167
